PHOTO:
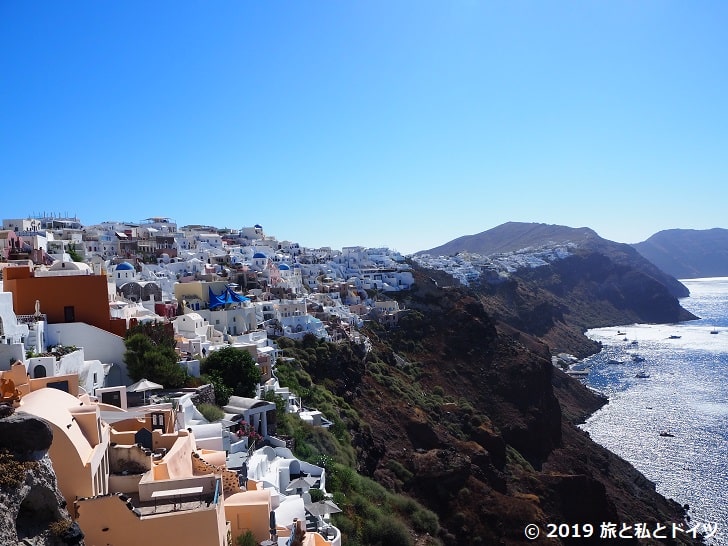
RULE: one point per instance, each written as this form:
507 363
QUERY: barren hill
688 253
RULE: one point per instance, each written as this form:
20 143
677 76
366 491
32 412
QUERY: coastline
665 425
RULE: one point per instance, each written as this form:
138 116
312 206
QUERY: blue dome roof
258 255
284 267
125 266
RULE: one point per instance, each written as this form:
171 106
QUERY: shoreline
662 460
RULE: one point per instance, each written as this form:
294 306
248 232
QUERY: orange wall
107 520
253 517
87 294
74 476
42 382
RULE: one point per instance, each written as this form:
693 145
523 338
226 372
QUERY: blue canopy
225 297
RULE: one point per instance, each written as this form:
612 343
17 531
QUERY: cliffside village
135 460
470 267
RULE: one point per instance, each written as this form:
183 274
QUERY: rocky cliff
588 289
467 414
34 511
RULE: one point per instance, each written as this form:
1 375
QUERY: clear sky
377 123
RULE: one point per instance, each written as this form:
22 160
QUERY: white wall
11 353
11 330
98 344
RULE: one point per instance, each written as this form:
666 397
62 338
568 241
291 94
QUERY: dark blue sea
673 424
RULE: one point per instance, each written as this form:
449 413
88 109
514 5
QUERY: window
111 397
157 421
60 385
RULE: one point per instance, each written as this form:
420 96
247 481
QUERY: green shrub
387 531
316 494
246 539
222 391
426 521
343 478
399 470
211 412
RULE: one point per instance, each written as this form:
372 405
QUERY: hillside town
470 267
134 458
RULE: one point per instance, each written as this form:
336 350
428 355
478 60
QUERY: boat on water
638 358
621 333
714 331
642 375
615 361
674 337
666 434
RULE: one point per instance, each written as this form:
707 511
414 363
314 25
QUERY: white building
13 334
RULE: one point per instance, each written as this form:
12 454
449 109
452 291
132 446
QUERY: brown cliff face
485 427
557 302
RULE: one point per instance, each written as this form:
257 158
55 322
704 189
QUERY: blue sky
377 123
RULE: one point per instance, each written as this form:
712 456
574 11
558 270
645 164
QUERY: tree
236 368
157 362
222 391
75 256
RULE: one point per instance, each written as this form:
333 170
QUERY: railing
216 497
31 319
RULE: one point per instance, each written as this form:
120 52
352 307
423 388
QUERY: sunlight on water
683 394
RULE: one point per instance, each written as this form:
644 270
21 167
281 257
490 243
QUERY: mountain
688 253
513 236
624 263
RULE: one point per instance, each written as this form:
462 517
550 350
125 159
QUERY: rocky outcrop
24 435
558 302
33 510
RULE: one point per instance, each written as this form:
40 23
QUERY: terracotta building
66 294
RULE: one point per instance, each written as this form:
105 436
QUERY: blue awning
225 297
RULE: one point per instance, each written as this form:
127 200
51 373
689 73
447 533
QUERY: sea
667 414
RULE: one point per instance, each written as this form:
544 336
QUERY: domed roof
73 266
258 255
284 267
125 266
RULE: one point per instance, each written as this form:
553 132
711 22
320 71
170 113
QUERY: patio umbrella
321 508
304 484
144 385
